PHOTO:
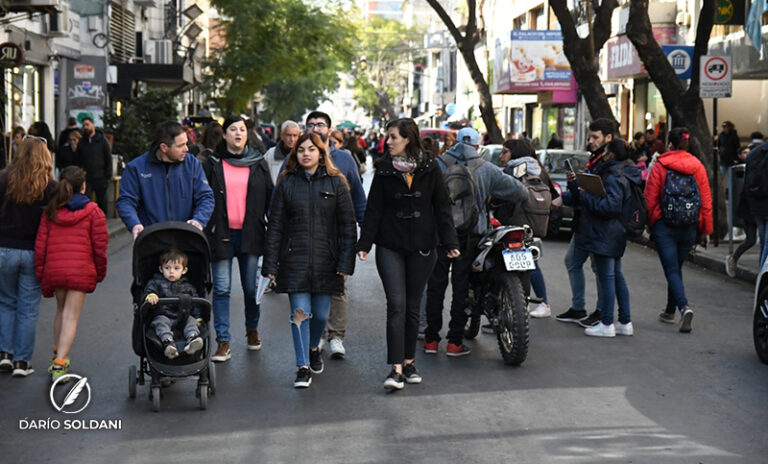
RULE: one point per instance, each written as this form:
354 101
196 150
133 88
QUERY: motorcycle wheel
512 330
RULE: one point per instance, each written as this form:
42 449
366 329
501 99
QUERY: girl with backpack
70 258
679 215
408 209
604 235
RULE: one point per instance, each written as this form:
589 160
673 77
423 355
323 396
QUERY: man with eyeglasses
94 155
320 123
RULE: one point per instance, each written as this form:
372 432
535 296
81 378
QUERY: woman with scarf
242 189
407 216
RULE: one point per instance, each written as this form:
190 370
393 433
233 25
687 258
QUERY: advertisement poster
531 61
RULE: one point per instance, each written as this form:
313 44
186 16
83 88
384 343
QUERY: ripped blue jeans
309 314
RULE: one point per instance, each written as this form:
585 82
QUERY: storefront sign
681 59
84 71
716 76
619 59
730 12
531 61
11 55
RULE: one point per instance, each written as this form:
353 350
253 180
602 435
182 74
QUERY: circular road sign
716 68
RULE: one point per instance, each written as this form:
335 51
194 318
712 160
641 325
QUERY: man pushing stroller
171 283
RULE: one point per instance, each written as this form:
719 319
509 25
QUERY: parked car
491 153
554 162
760 318
438 134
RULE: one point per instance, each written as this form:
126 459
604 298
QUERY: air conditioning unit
158 51
58 22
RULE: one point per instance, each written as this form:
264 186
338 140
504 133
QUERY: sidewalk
115 226
713 258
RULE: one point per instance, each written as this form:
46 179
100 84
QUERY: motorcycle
496 287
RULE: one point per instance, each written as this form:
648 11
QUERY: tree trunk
466 43
581 54
684 106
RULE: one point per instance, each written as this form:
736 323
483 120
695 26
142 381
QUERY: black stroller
149 245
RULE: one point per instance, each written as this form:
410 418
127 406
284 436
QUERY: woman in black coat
242 188
310 247
408 208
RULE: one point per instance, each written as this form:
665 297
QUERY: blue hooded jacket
150 193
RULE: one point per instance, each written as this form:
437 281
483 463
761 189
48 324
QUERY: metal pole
716 174
730 210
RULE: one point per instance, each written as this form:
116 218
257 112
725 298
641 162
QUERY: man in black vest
94 155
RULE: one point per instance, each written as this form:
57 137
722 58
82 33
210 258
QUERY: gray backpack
462 189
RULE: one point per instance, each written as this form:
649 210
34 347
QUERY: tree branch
471 32
602 24
446 18
701 45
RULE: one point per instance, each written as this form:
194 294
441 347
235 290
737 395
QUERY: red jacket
684 163
71 253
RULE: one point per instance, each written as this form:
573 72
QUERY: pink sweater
236 180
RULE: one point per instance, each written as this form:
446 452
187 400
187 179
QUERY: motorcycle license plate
518 260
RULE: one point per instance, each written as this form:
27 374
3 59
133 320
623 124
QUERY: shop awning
176 78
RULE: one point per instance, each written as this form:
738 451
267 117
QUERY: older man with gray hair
275 156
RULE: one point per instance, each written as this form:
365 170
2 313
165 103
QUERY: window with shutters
122 34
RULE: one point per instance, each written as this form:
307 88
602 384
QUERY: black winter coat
408 219
94 155
257 200
312 233
164 288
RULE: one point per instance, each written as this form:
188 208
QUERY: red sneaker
430 347
457 350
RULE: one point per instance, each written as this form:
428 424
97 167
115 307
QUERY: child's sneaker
194 344
58 369
169 349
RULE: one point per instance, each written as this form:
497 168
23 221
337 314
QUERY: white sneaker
321 345
337 348
624 329
730 266
600 330
541 311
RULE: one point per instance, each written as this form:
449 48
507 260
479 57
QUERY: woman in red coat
70 258
679 215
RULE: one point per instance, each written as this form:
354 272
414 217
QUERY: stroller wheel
203 392
212 377
132 382
155 396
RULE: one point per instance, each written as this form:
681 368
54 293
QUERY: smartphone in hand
570 166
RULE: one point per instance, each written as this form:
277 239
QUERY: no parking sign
715 77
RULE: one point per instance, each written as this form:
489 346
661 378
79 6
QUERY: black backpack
462 189
634 214
681 200
756 174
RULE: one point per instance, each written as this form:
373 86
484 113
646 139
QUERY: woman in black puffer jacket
310 246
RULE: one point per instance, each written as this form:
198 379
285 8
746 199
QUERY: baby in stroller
171 283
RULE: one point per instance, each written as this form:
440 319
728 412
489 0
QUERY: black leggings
750 228
404 276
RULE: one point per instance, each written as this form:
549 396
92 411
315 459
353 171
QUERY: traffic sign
681 59
715 77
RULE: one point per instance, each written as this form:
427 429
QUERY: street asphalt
657 397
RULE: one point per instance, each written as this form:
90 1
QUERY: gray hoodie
532 167
491 182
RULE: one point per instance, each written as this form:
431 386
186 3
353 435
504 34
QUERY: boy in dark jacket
170 284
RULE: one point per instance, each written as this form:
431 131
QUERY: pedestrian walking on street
756 185
320 123
212 135
242 189
275 156
408 216
478 180
94 155
679 215
26 187
515 153
66 154
728 144
70 258
310 245
601 132
164 184
603 235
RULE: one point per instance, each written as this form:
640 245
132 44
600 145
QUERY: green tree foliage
291 98
134 129
286 43
385 44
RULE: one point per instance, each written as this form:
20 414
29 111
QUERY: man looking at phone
601 131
